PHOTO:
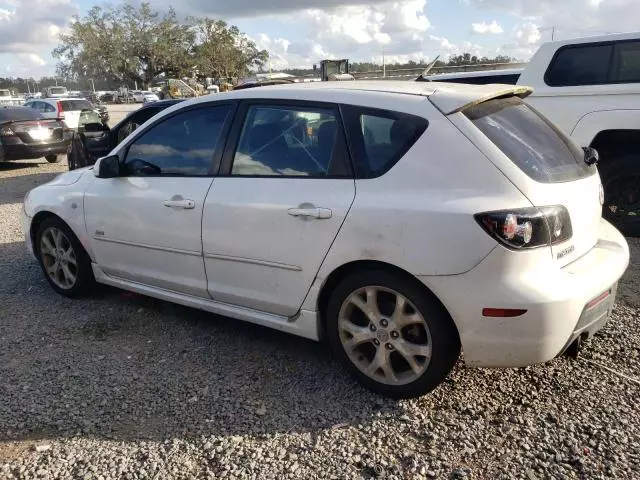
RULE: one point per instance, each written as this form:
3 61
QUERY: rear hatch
546 166
32 132
72 110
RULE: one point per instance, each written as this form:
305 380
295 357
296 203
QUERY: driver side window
180 145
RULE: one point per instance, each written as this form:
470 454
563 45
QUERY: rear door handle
321 213
185 204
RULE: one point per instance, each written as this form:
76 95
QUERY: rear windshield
537 147
57 90
73 105
19 113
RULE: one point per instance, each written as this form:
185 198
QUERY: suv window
291 141
74 105
627 62
537 147
580 65
380 138
47 107
182 144
134 121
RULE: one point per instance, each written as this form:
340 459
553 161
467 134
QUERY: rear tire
62 258
53 158
621 183
404 346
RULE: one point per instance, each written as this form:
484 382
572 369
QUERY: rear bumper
27 151
556 301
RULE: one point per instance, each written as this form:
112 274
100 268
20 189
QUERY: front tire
53 158
64 262
391 333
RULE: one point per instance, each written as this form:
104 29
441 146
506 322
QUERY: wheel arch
37 221
341 272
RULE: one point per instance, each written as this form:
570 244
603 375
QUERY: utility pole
384 67
553 33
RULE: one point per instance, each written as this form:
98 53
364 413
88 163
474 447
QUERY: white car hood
69 178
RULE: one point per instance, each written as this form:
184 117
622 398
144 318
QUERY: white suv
402 221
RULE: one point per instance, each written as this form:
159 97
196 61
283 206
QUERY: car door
145 225
284 190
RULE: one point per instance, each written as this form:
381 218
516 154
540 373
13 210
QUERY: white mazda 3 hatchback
403 222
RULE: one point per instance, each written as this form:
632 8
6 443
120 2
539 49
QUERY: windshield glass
533 143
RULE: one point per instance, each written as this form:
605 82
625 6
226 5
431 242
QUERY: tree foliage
126 44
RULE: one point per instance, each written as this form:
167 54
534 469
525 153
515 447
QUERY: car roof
447 97
611 37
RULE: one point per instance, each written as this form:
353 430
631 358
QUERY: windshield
533 143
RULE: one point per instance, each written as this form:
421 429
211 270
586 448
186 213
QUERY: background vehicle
55 92
590 88
149 97
93 140
26 134
73 111
335 70
8 99
251 205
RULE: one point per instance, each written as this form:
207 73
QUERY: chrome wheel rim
384 335
58 258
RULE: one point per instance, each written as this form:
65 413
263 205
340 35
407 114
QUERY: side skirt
304 324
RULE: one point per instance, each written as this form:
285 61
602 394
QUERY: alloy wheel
59 258
384 335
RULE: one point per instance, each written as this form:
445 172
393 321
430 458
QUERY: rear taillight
526 228
60 110
6 132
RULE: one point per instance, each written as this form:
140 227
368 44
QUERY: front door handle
183 203
317 212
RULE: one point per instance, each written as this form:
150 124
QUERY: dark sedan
25 134
93 140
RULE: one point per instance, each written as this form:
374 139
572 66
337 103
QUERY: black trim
610 70
233 140
217 154
352 114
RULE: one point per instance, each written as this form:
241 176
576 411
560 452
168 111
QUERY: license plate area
40 133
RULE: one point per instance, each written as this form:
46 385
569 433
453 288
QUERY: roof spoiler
450 101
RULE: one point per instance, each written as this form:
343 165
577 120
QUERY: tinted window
627 62
46 107
531 142
280 140
380 138
587 65
73 105
134 121
183 144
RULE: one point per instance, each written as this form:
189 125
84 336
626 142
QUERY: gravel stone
124 386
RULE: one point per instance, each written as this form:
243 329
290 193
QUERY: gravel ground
123 386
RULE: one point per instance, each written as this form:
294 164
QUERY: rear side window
531 142
584 65
74 105
380 138
627 63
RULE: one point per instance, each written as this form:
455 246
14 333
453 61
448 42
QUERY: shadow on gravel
122 366
14 188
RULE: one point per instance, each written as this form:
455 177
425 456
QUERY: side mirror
591 156
94 127
107 167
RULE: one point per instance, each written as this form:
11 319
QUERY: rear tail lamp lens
528 228
6 132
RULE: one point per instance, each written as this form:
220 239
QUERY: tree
124 44
223 52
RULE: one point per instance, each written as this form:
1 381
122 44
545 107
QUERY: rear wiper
591 156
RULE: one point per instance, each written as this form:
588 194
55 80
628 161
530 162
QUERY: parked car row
401 221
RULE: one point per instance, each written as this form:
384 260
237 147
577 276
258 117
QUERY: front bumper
555 299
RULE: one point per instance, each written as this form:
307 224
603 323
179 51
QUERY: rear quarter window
378 139
531 141
580 65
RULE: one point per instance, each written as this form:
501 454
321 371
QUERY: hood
69 178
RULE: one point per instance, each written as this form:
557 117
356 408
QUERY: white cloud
483 28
